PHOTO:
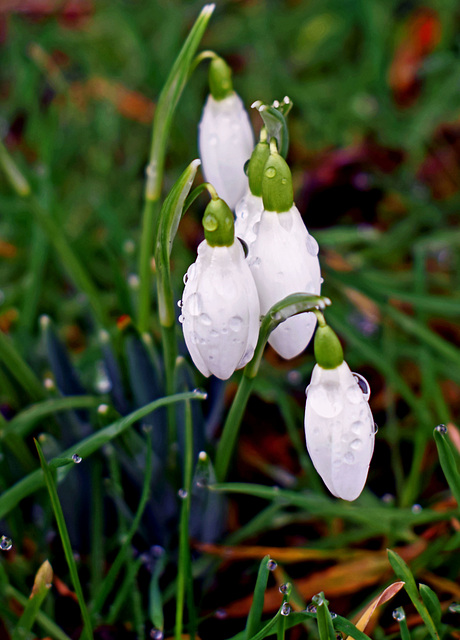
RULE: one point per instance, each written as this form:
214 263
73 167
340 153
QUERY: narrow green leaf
254 619
15 177
431 602
155 596
35 480
58 514
404 573
447 460
268 629
325 626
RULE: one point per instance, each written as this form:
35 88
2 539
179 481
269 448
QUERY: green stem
64 534
184 549
149 223
168 339
231 428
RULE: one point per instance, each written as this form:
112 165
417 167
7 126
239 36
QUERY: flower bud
339 429
277 192
218 224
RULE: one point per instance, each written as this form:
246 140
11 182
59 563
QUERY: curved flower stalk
220 307
284 257
339 427
225 136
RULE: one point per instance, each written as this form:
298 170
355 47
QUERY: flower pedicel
225 136
339 427
220 306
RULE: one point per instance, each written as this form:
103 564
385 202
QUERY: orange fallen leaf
280 554
386 595
63 589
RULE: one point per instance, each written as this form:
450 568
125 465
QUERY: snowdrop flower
339 427
248 210
220 307
284 257
225 136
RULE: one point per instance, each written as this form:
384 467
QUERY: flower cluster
226 291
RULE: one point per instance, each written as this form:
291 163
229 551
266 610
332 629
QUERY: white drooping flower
220 307
225 136
339 427
284 257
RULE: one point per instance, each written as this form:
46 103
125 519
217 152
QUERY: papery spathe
220 310
339 430
284 260
226 141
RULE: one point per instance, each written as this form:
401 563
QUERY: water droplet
284 588
210 223
441 428
312 246
283 181
5 543
194 304
311 608
180 304
398 614
356 444
271 565
156 634
375 429
246 166
181 319
416 508
363 385
454 607
349 457
333 614
185 278
182 493
205 319
270 172
235 323
285 609
388 498
220 614
200 392
76 458
318 600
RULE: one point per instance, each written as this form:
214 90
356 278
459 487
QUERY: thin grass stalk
124 590
109 580
184 565
64 535
97 528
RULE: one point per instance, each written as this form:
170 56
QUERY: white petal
284 260
220 310
226 141
248 212
339 430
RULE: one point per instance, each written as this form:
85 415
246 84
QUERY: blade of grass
35 480
58 514
447 460
400 616
405 574
323 617
19 369
254 619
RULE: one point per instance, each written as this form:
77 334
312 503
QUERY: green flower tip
256 166
277 191
328 350
218 224
220 79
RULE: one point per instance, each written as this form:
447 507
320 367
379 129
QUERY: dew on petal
312 246
204 319
354 394
194 304
235 323
356 444
363 385
270 172
349 457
